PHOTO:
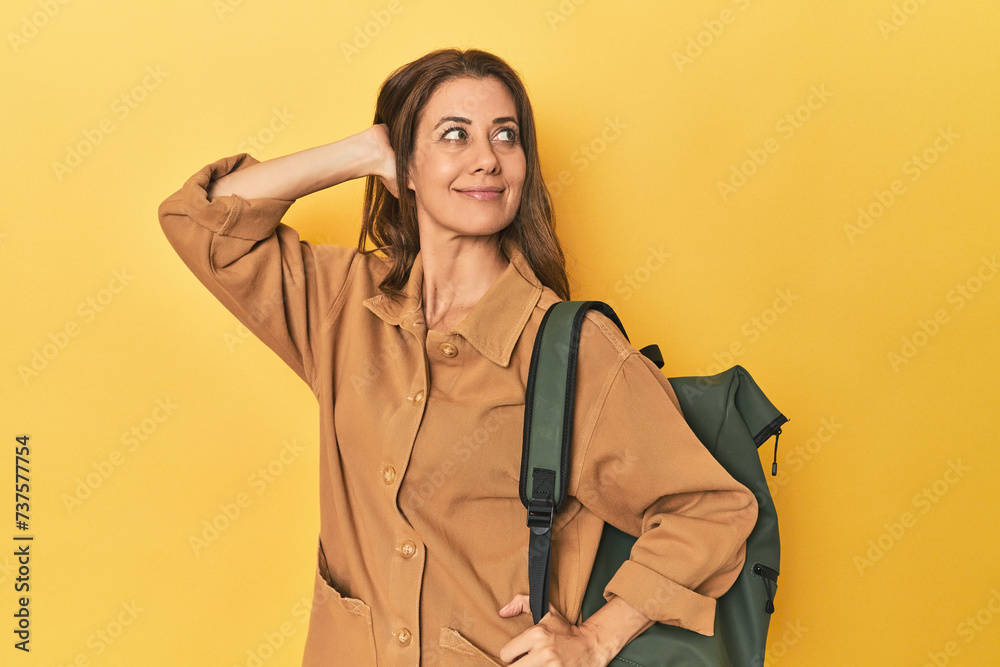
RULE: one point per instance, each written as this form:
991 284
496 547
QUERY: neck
456 277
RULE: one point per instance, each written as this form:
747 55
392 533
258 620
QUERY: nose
484 157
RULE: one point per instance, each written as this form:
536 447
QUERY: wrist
616 624
376 162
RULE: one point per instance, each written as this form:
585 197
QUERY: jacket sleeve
279 287
646 473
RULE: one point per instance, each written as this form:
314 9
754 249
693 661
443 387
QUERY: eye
511 134
454 128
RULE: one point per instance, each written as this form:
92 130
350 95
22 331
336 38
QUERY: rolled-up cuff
249 219
662 599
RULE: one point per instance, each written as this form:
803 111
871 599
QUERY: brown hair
392 222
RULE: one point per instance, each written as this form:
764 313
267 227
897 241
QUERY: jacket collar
492 326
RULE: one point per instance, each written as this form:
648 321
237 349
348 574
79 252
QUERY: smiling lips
482 192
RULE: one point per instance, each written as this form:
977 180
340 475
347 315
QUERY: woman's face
468 165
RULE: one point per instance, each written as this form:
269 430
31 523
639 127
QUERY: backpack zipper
769 576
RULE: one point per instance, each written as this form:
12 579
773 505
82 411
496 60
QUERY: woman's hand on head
386 161
552 641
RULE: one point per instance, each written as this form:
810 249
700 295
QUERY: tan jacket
422 533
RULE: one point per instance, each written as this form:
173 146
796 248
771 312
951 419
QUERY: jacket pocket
457 651
340 628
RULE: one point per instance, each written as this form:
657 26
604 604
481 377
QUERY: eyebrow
459 119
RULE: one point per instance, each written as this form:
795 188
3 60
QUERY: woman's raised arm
225 224
296 175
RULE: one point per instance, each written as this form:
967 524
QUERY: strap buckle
540 511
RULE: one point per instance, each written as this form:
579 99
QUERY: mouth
482 192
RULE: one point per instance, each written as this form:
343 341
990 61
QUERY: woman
419 361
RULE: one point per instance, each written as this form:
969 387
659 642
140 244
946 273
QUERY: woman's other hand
552 641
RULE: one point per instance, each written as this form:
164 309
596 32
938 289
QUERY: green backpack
730 415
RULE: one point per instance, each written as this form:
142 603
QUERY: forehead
470 98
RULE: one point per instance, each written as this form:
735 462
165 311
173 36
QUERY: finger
518 605
517 647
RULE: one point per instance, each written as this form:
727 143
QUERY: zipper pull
769 605
770 578
774 464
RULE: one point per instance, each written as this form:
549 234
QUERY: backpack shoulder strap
548 432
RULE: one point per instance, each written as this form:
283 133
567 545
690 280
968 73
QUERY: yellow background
886 493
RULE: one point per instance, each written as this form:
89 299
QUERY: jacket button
407 549
388 474
448 350
403 636
419 396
